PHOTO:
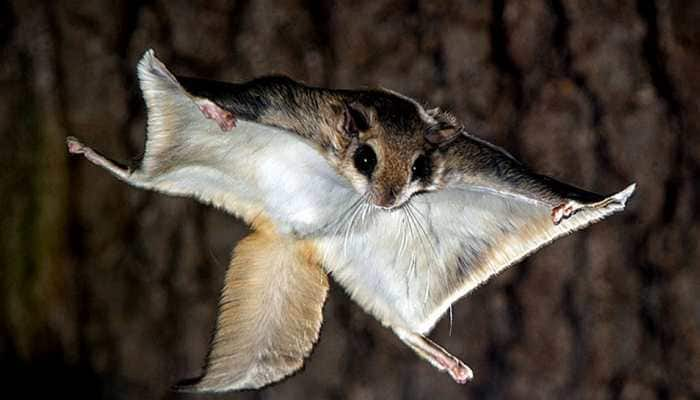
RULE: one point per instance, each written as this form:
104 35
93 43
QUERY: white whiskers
345 223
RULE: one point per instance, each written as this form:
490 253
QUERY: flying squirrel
398 203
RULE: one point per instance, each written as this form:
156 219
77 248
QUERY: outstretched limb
313 113
436 355
76 147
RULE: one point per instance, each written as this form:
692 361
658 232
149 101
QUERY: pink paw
562 211
461 373
74 146
223 118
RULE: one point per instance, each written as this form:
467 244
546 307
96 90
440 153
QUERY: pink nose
386 199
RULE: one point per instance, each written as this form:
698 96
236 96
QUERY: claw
74 146
562 211
460 372
225 119
436 355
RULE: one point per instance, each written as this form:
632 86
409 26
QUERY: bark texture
110 292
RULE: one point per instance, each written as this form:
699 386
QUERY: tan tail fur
270 313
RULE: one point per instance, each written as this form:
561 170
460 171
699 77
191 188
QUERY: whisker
420 224
338 224
345 215
402 248
424 240
450 333
430 244
348 230
412 263
366 208
415 236
403 236
427 288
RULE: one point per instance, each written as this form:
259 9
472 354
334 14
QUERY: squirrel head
386 145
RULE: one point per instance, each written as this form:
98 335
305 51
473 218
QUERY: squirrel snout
386 198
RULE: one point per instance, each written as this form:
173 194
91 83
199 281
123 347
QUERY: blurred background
110 292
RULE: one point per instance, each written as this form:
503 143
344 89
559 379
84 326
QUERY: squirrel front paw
225 119
563 211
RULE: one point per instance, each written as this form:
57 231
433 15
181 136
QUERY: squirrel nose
388 198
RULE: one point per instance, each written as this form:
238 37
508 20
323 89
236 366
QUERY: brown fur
397 128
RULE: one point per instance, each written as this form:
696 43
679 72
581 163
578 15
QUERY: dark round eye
365 160
421 168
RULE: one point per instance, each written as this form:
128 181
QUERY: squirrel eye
421 168
365 160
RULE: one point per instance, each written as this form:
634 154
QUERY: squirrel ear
433 112
442 134
356 119
445 130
